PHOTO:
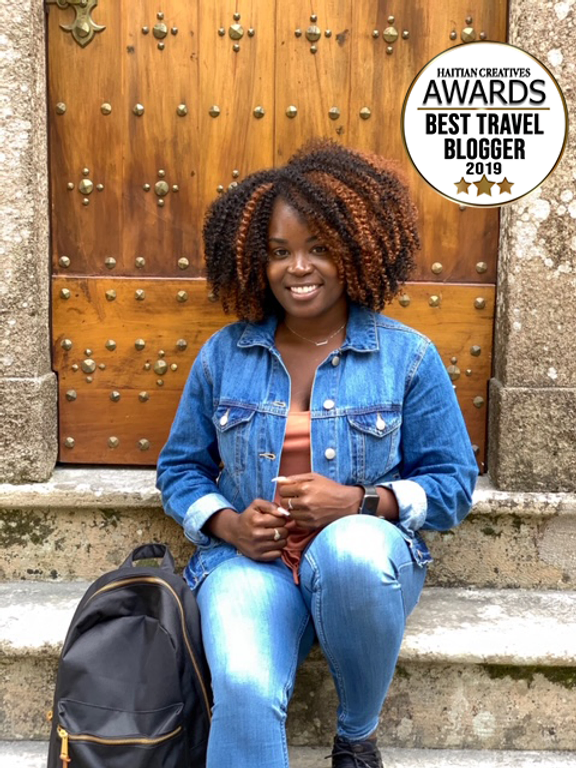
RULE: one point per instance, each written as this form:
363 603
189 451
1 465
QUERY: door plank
84 138
234 143
314 83
161 147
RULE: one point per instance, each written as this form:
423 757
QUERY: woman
313 439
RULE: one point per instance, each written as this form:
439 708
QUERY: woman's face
301 274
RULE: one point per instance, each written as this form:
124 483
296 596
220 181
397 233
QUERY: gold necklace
316 343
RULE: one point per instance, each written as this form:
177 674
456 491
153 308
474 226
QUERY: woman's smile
304 291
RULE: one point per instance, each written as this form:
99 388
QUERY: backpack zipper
160 582
67 737
64 756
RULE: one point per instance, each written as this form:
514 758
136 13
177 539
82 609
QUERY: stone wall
533 394
532 434
27 385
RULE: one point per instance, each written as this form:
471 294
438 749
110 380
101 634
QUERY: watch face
371 501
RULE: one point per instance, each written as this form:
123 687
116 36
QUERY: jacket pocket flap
378 422
228 416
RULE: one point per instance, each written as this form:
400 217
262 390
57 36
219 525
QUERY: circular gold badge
484 123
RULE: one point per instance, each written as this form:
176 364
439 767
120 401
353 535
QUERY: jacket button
330 453
335 361
328 404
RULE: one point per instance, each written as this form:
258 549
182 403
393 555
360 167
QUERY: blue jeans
358 585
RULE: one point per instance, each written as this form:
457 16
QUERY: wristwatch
370 501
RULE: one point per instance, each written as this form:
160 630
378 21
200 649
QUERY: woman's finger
280 512
281 480
264 507
272 521
273 554
288 491
279 536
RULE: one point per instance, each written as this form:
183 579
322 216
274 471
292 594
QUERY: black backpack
133 687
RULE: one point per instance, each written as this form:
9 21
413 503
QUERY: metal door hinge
83 27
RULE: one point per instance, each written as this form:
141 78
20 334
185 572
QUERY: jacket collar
361 335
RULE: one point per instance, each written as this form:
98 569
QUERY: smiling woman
314 438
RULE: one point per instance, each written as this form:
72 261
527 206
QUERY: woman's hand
259 532
314 500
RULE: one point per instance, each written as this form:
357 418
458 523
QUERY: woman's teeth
303 288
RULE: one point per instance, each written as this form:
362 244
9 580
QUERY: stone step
32 754
479 669
84 521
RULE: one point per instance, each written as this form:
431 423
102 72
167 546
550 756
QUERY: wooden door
155 108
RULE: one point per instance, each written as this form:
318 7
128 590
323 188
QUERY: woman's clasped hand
309 501
260 532
314 500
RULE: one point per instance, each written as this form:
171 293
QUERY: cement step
32 754
84 521
479 669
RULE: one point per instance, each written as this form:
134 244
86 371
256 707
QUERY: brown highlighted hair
356 202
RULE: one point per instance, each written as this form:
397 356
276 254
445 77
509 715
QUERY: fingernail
283 511
279 478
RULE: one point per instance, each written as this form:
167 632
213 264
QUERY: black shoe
355 754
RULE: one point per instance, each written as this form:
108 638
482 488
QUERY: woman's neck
319 328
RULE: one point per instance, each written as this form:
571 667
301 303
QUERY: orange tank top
295 460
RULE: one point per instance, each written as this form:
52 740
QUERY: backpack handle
150 551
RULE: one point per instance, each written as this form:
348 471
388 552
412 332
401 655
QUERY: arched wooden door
154 108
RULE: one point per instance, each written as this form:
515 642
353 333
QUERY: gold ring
276 534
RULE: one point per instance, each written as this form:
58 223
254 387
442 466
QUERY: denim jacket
383 412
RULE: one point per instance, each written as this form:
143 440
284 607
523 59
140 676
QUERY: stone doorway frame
532 418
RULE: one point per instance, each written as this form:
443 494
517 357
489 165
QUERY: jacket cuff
412 502
197 515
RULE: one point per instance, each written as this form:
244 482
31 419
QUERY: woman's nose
300 264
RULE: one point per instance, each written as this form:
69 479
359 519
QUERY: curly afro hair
356 202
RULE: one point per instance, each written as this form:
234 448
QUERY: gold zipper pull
64 756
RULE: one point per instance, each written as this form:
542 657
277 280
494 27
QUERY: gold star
462 185
484 186
505 186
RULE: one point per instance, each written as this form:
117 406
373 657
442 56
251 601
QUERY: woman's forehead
285 216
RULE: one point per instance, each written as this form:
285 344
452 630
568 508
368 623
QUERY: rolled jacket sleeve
412 503
199 513
189 463
438 470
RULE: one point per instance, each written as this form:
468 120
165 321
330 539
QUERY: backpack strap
149 552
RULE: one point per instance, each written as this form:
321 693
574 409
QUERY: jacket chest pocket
375 439
233 424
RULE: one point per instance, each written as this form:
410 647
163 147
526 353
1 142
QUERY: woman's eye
320 249
278 253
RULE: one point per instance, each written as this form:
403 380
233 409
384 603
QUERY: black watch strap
370 501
